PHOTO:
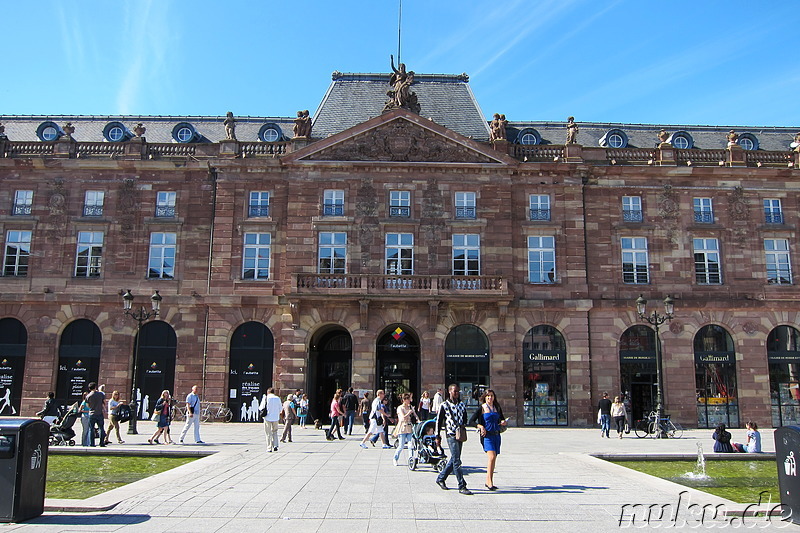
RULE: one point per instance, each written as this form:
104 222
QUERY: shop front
637 366
397 363
544 365
466 362
330 362
715 378
156 365
13 345
783 356
78 360
250 373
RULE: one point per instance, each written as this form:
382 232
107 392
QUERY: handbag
461 434
156 416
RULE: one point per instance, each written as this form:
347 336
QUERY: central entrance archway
330 363
397 362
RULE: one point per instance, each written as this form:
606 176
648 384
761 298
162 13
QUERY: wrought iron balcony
540 214
704 217
465 212
399 211
332 210
773 218
258 211
378 284
21 209
632 215
92 210
165 211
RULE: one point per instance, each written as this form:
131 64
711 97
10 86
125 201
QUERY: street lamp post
656 320
140 316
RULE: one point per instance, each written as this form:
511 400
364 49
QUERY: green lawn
739 481
82 476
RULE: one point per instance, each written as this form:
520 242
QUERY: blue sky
706 62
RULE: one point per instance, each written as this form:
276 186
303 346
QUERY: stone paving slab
548 480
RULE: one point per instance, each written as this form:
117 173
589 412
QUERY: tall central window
541 259
333 203
162 256
255 264
779 266
703 211
399 254
465 205
18 250
635 266
539 207
165 204
467 255
259 204
332 253
400 204
772 211
632 209
89 255
706 261
93 203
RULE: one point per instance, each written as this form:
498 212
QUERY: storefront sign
545 357
790 358
452 356
705 358
637 357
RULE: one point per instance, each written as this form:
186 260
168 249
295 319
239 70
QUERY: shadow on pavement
90 519
545 489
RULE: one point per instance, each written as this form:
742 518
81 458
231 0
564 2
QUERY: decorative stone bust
69 129
733 138
139 130
572 130
230 127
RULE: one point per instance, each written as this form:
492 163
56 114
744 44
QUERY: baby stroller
61 433
425 449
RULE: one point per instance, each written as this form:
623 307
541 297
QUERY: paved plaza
547 482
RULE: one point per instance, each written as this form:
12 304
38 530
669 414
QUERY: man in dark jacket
49 412
350 404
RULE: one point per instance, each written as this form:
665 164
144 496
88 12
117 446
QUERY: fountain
699 472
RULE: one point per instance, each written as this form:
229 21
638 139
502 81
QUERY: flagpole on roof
399 21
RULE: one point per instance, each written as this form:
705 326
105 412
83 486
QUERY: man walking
438 400
376 418
451 415
96 401
270 409
192 415
604 407
350 402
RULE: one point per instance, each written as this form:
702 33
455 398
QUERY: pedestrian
303 413
192 416
162 425
489 419
722 440
83 409
97 402
364 406
452 417
270 410
405 428
438 400
753 444
424 406
336 414
350 404
49 412
386 406
604 415
626 401
618 414
376 420
289 417
113 414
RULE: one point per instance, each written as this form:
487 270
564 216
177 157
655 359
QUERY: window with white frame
541 259
400 204
89 255
399 254
632 209
256 256
93 203
23 203
332 253
165 204
773 214
779 266
635 262
707 267
259 204
333 203
703 211
539 207
467 255
18 250
161 264
465 205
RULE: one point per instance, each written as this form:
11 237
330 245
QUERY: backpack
122 412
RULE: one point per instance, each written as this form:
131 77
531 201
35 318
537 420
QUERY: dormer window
615 138
116 132
529 136
184 133
748 141
681 140
48 131
270 133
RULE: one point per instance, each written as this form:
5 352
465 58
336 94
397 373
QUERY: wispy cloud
72 43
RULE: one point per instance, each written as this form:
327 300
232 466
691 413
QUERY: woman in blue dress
489 420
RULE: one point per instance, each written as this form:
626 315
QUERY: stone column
736 157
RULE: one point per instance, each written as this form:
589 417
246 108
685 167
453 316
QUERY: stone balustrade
404 286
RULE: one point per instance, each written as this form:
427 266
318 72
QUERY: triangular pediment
400 136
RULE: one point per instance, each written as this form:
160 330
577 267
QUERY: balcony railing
332 210
165 211
21 209
465 212
92 210
632 215
773 218
399 211
360 284
258 211
540 214
704 217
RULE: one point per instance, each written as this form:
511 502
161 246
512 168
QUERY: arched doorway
330 365
466 361
544 363
637 368
78 360
715 378
156 365
252 351
13 344
783 356
397 362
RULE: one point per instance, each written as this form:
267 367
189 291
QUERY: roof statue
733 138
400 94
302 124
3 131
663 136
497 128
68 130
572 131
139 130
230 126
794 145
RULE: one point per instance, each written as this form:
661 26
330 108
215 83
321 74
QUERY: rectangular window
165 204
89 255
23 203
93 203
162 256
333 203
18 249
256 256
400 204
635 263
703 212
772 211
259 204
332 253
539 207
541 259
467 255
707 269
779 266
465 205
632 209
399 254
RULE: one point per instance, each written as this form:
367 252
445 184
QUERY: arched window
544 365
715 378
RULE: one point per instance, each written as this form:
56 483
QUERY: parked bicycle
178 412
214 410
653 427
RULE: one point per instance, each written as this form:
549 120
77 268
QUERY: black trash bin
23 467
787 455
